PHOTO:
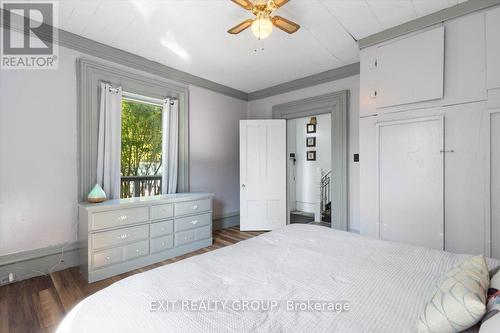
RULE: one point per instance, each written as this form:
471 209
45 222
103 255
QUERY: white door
262 174
410 162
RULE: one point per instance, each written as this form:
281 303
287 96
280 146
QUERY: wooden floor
40 303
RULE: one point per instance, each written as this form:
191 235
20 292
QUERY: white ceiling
191 35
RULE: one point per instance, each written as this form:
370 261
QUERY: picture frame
311 141
311 128
311 155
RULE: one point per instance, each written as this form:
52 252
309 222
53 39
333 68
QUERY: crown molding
118 56
420 23
308 81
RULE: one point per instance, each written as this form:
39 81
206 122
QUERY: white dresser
121 235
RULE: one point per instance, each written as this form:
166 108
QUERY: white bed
386 285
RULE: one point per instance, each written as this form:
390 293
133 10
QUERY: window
141 148
90 75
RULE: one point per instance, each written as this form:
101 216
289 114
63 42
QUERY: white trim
488 239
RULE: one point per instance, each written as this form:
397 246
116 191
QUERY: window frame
89 75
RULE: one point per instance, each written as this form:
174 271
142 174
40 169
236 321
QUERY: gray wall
38 153
214 147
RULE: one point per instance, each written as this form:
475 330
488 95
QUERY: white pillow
491 321
459 300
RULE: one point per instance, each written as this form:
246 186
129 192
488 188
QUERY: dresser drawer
192 207
184 237
121 236
106 257
161 228
202 233
162 243
136 250
160 212
192 222
119 217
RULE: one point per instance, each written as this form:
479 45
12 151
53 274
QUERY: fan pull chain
256 47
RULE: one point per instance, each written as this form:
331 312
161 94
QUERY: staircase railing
326 181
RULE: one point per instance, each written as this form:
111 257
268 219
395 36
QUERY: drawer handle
194 222
123 217
195 207
124 236
108 258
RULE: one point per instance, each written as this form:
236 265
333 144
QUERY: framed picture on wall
311 128
311 155
311 141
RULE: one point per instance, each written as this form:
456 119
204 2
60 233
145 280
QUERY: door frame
337 104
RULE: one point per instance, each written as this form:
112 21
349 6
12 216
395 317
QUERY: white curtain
109 141
170 149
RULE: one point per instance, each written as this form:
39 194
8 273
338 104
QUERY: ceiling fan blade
285 25
275 4
240 27
244 3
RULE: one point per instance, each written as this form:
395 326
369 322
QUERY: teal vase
97 194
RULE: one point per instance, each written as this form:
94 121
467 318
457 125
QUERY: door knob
242 185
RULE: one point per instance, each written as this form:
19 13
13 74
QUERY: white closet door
410 171
495 184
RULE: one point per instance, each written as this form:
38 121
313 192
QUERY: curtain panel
109 140
170 146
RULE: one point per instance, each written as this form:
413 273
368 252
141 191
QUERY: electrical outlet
7 279
4 280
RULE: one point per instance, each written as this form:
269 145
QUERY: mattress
361 285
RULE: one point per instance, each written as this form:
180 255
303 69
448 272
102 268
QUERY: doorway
309 142
335 105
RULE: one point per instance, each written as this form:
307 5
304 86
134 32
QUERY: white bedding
386 285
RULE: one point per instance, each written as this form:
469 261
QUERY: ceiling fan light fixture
262 26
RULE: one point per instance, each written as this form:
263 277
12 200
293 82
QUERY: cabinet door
465 61
411 69
465 174
410 181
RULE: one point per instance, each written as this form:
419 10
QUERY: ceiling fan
262 24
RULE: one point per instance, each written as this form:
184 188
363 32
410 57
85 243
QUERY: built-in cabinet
121 235
397 166
385 68
464 187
